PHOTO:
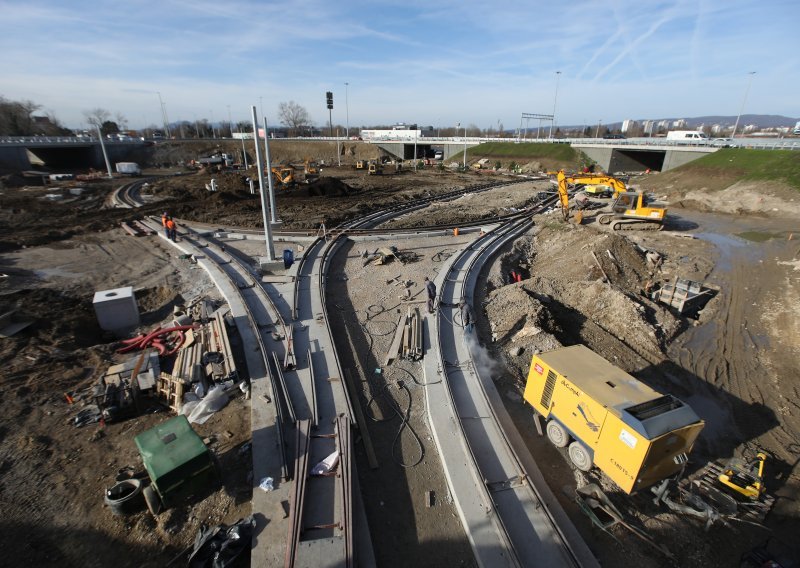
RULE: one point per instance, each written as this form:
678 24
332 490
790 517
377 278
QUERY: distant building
750 128
680 123
663 124
648 126
628 125
716 128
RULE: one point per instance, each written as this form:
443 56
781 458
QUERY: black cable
405 416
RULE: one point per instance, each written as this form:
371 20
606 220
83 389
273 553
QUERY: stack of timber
407 341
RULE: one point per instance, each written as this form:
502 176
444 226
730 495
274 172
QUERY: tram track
319 412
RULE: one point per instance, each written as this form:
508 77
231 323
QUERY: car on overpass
724 143
613 137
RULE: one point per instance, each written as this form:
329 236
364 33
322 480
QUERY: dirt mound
562 282
328 187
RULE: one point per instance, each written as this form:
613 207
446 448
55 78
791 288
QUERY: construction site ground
735 364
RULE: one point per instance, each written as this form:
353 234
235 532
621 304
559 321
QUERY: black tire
617 226
604 219
152 500
580 456
557 434
125 497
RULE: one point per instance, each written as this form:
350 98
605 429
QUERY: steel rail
240 278
524 521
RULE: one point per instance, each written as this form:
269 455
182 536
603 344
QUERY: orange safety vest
170 224
164 220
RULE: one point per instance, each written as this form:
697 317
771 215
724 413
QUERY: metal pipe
262 188
746 92
105 154
272 206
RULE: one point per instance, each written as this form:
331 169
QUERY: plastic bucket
125 497
288 258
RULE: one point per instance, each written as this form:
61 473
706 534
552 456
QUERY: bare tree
96 116
16 117
122 122
293 116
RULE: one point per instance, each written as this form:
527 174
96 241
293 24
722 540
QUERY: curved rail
523 531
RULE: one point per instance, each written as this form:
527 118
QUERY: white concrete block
116 309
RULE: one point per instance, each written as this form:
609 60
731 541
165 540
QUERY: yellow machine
628 210
361 164
634 434
374 168
631 210
311 170
746 478
284 175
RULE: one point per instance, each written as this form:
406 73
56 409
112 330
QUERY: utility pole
597 134
260 162
272 206
105 154
329 100
746 92
347 107
555 100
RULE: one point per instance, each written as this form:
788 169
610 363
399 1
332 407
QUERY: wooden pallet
706 482
171 390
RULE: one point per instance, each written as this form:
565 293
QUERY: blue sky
433 62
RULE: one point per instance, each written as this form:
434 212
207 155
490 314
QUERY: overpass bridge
632 154
22 152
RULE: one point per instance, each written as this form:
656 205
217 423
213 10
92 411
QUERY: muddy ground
736 363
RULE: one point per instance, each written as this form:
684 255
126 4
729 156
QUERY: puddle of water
760 236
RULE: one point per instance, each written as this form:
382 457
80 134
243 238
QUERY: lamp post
465 147
746 92
164 114
555 100
347 109
213 132
597 134
230 122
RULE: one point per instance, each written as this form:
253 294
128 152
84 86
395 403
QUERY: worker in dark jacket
430 288
467 319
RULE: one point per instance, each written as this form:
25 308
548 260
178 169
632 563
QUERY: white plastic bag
215 400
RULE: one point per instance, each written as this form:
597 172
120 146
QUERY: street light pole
555 100
746 92
347 109
164 115
230 122
465 144
597 134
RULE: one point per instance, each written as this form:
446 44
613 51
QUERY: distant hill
760 120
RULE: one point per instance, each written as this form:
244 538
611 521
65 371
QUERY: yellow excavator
374 168
284 175
311 170
629 209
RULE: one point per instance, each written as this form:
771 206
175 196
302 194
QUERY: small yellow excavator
629 209
374 168
311 170
284 175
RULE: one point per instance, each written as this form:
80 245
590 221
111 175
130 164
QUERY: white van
687 137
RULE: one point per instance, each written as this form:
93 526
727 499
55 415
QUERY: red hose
148 339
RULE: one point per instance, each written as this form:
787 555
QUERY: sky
433 63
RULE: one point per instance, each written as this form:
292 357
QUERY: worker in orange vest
171 232
164 218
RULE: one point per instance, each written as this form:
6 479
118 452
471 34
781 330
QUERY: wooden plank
398 338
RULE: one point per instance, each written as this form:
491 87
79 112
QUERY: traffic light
329 97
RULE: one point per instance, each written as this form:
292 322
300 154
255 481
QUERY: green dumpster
176 459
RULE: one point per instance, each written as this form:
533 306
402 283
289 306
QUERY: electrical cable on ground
405 417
